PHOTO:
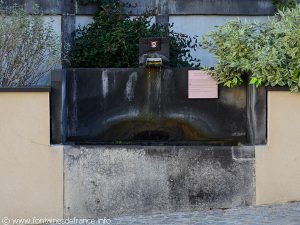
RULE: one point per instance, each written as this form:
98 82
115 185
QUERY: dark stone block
260 122
163 7
26 89
141 6
47 7
57 107
69 7
278 88
129 106
221 7
257 115
195 7
89 9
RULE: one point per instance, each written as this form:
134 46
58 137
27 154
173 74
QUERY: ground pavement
285 214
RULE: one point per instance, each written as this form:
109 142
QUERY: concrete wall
106 181
31 170
278 163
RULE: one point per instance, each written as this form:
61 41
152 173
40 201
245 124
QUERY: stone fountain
148 105
134 142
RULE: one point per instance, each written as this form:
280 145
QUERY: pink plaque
202 85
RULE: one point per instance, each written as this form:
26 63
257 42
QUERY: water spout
154 62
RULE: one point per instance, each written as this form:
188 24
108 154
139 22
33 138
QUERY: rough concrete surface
112 181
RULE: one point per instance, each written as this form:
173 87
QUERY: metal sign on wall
201 85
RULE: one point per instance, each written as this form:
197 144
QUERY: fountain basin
120 106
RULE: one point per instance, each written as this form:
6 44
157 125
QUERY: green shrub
283 4
29 48
267 52
112 39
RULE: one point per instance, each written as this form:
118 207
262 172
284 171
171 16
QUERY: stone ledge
277 88
25 89
243 152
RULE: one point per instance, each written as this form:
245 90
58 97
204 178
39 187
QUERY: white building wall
201 25
56 23
83 21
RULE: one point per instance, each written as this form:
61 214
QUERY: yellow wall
31 171
278 164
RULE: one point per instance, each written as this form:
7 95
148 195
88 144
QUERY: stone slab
106 181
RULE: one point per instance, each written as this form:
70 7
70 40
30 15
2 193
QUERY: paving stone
284 214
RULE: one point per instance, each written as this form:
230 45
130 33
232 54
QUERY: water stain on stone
152 130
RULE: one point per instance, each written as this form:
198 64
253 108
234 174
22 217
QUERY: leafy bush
269 52
112 39
282 4
28 48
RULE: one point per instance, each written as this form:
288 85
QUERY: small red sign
153 44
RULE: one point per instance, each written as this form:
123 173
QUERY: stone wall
172 7
105 181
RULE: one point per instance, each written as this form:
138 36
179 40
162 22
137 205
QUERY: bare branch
29 48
